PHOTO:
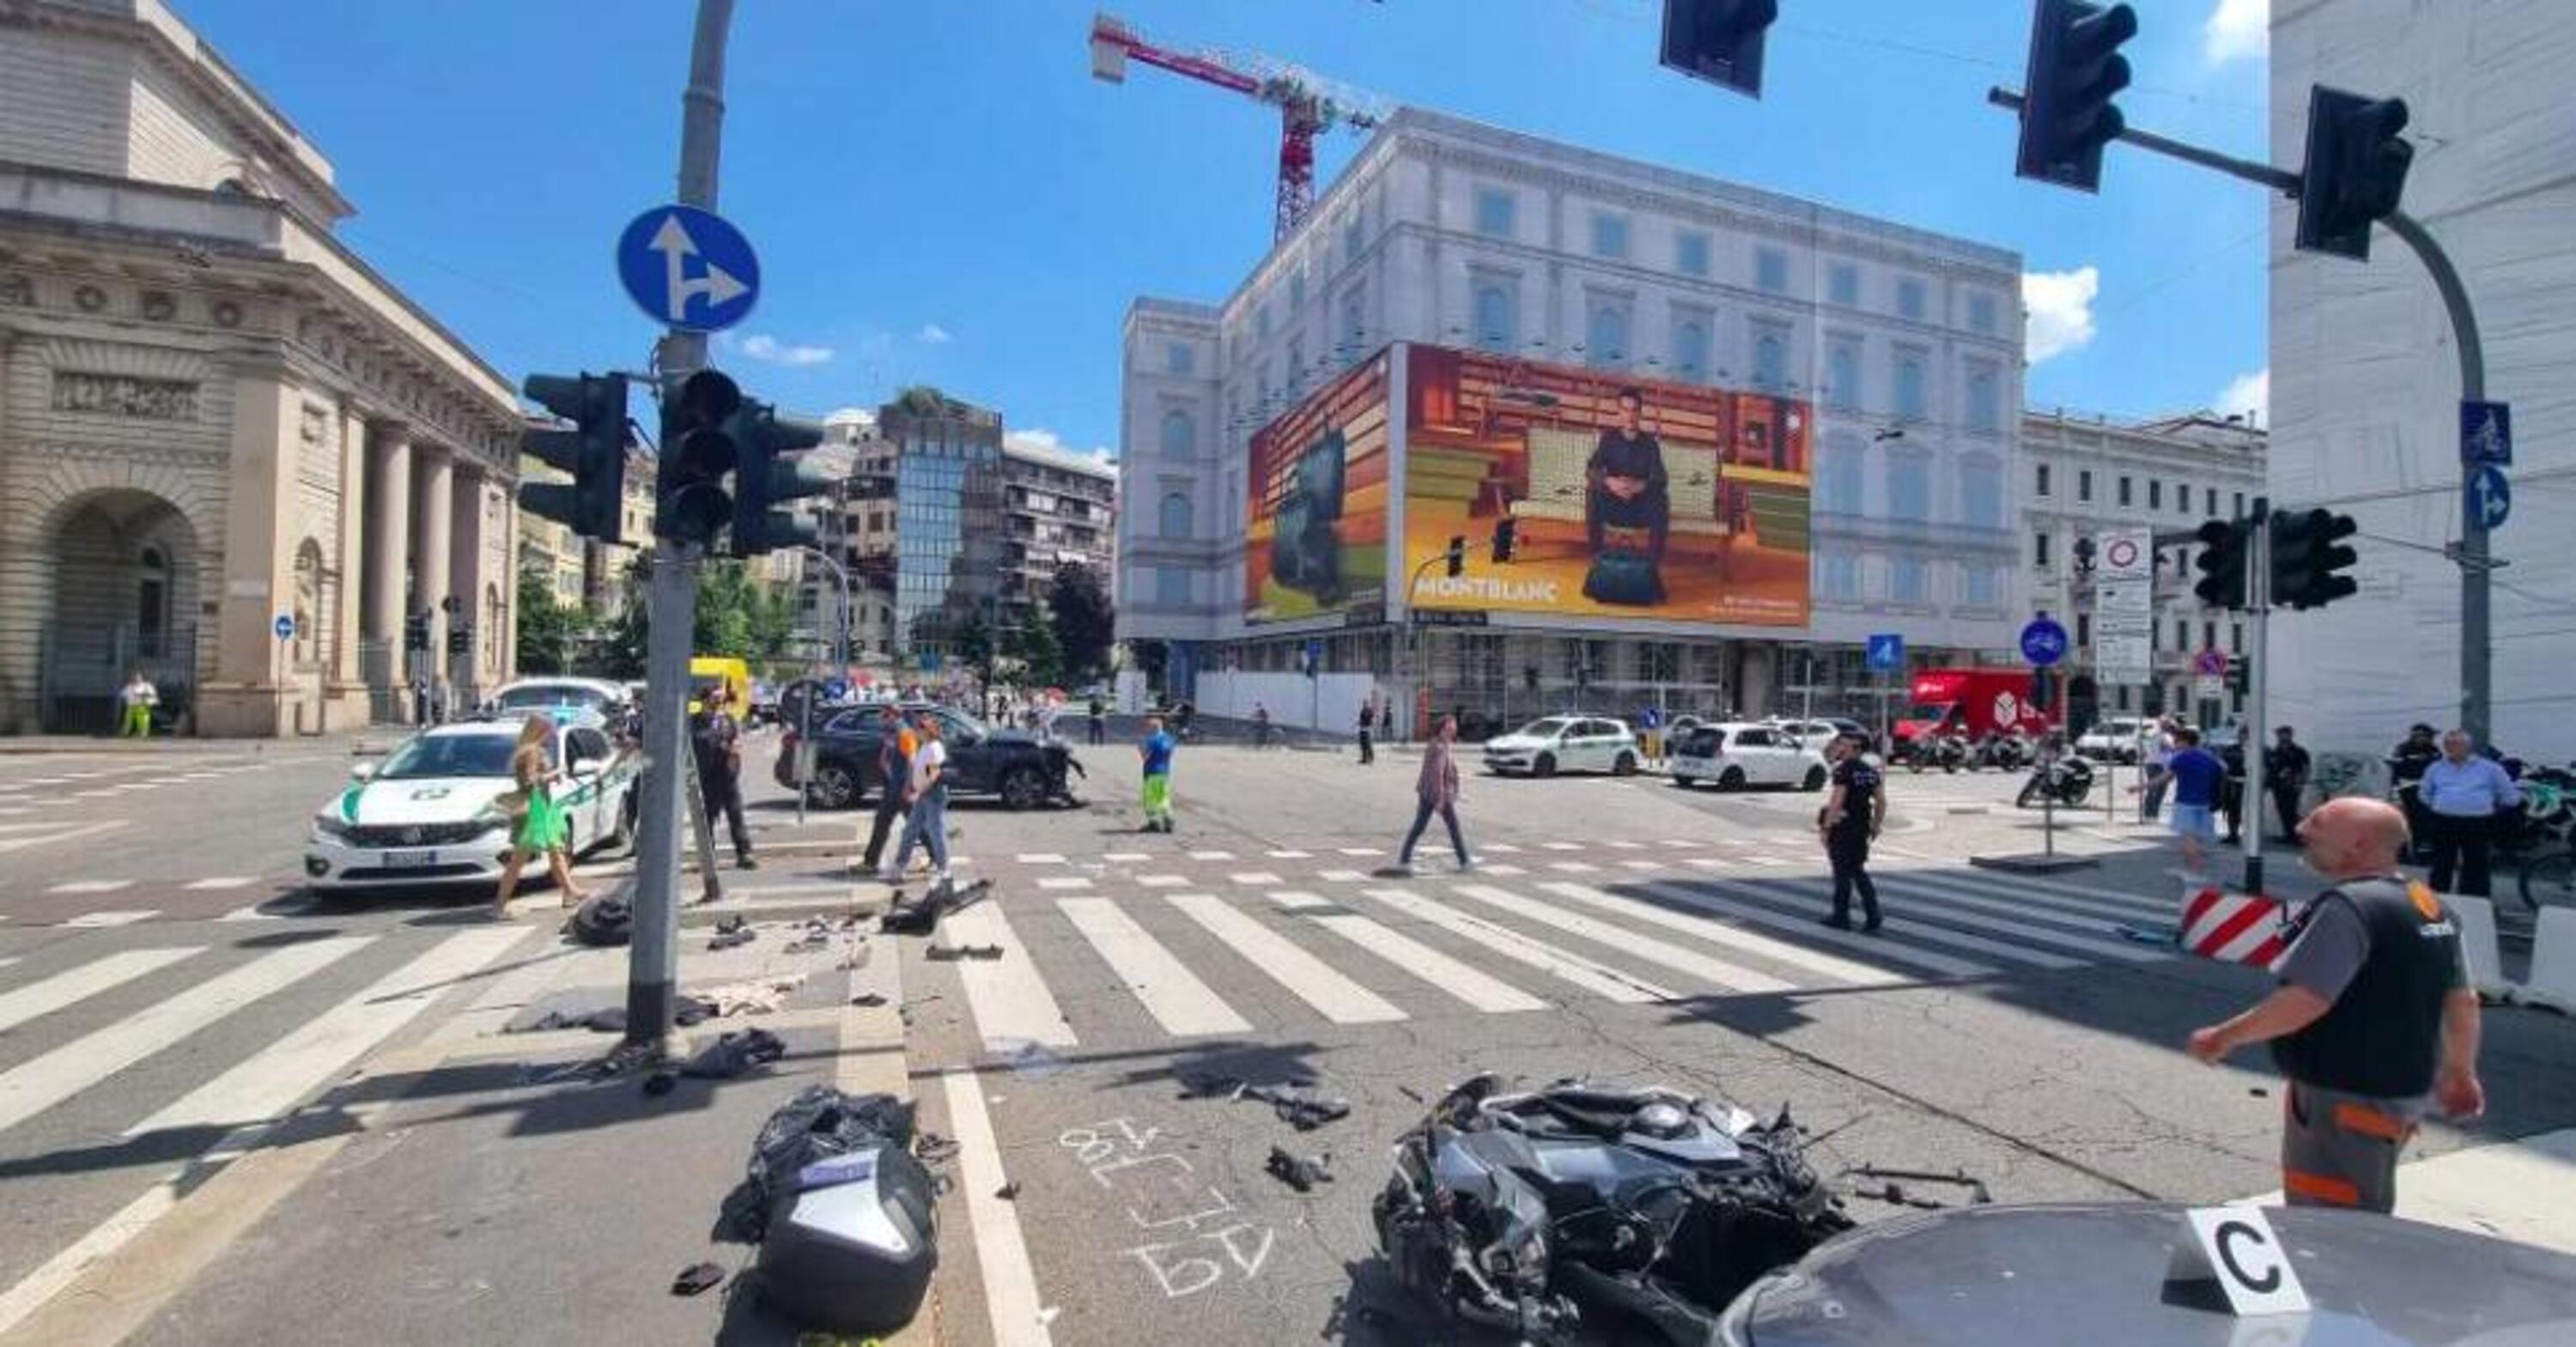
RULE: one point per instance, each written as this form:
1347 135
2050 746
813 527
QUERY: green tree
1081 620
1033 646
546 628
974 647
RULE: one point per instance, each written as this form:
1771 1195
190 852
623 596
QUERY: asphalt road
154 1022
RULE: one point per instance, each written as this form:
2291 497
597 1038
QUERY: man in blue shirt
2196 774
2461 794
1156 750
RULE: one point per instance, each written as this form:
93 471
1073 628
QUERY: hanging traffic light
1507 538
2075 67
2355 171
2223 548
698 449
773 471
1718 40
2083 556
1457 557
2308 558
593 452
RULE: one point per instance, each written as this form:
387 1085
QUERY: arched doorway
125 597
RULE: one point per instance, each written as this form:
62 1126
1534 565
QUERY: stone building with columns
218 423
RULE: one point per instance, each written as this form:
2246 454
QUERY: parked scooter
2005 752
1949 752
2066 779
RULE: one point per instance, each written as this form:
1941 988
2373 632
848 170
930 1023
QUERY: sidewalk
466 1188
352 741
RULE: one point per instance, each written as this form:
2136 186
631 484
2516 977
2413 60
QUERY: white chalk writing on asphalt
1161 1192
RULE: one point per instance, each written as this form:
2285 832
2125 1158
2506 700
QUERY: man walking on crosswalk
1436 792
1156 750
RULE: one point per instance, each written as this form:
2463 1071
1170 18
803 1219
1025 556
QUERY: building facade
1057 509
947 546
1858 375
2084 476
2366 376
216 421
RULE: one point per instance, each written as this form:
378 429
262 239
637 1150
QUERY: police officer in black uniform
1849 819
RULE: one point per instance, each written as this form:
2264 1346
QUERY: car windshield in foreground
1543 729
551 695
450 755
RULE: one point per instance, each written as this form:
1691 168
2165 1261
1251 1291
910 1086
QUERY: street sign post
2486 433
2490 497
688 269
2043 642
1886 652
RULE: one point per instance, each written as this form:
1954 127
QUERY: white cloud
2061 310
762 346
2237 29
1040 440
2247 393
932 334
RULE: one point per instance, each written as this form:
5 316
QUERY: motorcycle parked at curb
2065 779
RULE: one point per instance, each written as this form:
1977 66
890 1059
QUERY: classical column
465 579
245 695
433 543
388 547
348 555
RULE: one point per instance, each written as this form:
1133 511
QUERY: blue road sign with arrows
284 626
2043 642
2490 496
1886 651
688 269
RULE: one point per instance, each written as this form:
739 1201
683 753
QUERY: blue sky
941 193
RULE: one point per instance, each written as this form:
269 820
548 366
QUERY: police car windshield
451 755
548 695
1544 729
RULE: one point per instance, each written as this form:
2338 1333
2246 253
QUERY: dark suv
1014 765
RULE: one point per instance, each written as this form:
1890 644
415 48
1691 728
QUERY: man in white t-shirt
926 793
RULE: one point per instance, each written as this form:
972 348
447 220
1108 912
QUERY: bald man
2373 1020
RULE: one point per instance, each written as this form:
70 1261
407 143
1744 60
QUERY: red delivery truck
1974 703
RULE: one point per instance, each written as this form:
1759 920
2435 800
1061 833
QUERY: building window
1909 384
2239 507
1690 254
1494 211
2182 498
2236 638
1981 312
2155 494
2182 634
1609 235
1770 357
1840 484
2124 493
2039 553
1981 493
1261 319
1771 271
1690 348
1171 587
1297 292
2209 636
1985 586
1985 399
1175 518
2084 485
1351 236
1354 331
1909 299
1498 323
1840 575
2039 479
1178 358
1909 486
2083 630
1906 580
1179 436
1606 335
1842 284
1842 374
2209 500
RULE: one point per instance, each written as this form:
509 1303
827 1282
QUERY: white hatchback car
427 815
1555 744
1739 755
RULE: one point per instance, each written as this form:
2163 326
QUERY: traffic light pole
653 963
2258 603
2476 663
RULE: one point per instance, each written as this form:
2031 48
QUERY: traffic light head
773 471
1457 556
2355 173
2084 556
698 449
593 452
2308 558
1718 40
1507 537
2075 69
2222 563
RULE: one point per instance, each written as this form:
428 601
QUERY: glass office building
948 519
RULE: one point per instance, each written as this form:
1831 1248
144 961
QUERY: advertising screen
1590 493
1315 535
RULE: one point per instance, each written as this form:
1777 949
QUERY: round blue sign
688 269
284 626
838 689
2043 642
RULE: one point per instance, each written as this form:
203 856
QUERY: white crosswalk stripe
1903 923
1478 989
1308 978
1174 996
1734 977
1696 893
102 920
223 882
1599 979
79 984
91 886
1008 998
1719 933
1941 902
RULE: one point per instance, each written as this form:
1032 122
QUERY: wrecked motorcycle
1638 1212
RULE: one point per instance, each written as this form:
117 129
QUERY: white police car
426 815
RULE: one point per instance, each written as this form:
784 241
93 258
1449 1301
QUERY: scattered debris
1297 1103
697 1278
753 998
734 1053
1028 1057
1894 1194
933 1149
952 953
601 921
920 916
731 924
660 1083
1009 1191
740 935
858 1256
868 999
1300 1172
2258 1091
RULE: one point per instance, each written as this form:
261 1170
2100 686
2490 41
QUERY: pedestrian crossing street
1194 943
164 1061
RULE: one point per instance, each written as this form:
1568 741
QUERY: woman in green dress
543 828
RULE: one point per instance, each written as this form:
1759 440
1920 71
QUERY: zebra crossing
188 1053
1098 952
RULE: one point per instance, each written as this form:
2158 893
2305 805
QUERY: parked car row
1730 755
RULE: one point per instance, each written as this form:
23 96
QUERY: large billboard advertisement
1587 493
1315 533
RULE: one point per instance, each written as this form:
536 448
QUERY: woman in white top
926 793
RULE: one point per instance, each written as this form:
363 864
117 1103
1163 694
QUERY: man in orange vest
893 764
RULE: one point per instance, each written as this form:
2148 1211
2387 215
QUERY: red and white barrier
2232 927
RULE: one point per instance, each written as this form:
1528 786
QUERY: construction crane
1308 103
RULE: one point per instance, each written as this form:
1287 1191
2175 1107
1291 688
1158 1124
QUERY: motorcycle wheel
2029 792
